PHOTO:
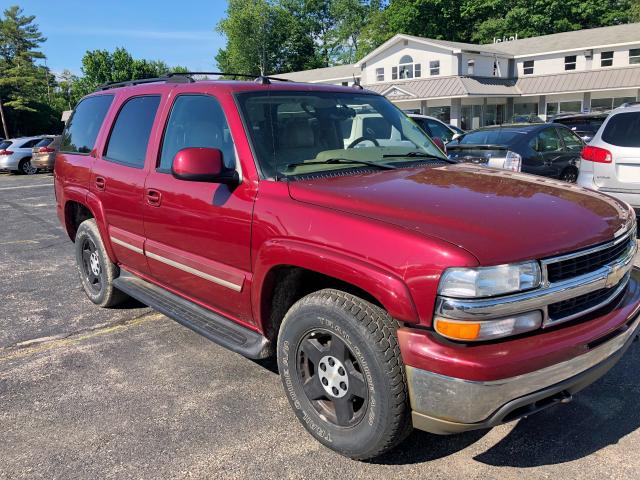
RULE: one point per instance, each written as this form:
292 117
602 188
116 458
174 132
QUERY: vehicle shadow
599 416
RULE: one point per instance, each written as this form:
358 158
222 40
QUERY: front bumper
443 404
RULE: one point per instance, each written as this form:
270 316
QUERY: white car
15 155
611 161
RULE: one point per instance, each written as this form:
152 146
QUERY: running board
213 326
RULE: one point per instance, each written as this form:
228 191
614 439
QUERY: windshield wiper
420 155
333 161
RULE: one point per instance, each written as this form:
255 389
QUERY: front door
118 176
550 155
199 233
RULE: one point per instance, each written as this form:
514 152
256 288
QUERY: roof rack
187 77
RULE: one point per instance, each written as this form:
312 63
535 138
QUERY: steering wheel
362 139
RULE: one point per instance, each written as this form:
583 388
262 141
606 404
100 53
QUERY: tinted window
571 141
546 141
130 135
490 137
196 121
440 131
82 129
44 142
623 130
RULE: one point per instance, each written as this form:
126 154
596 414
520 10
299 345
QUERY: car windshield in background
494 136
44 142
623 130
296 132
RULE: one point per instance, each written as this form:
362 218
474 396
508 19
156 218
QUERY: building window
570 62
434 67
528 67
394 73
380 74
471 67
405 67
634 56
345 84
606 59
417 70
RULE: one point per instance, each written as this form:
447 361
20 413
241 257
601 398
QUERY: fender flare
385 286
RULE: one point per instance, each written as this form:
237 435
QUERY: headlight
489 281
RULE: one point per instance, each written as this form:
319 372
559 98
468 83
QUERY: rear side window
130 134
623 130
28 143
196 121
4 145
490 137
82 129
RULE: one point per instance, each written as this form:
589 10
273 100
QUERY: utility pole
4 122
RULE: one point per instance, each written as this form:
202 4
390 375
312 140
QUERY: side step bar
215 327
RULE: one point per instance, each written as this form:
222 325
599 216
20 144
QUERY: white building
474 85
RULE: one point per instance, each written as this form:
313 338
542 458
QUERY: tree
23 84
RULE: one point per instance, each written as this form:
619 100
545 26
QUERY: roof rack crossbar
265 79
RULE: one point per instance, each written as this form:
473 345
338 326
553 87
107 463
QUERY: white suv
15 155
611 161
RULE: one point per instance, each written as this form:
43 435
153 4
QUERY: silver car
611 161
15 155
44 152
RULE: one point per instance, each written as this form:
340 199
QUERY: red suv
397 288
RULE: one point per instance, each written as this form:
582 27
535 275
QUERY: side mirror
199 164
439 143
456 136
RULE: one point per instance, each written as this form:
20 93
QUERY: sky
178 32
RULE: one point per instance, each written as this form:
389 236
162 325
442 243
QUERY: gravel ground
127 393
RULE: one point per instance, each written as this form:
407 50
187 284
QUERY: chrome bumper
613 276
444 405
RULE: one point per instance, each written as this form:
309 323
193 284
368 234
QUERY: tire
25 168
94 267
341 369
569 175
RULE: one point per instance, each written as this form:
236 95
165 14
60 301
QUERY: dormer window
471 67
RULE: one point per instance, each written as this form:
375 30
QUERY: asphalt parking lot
128 393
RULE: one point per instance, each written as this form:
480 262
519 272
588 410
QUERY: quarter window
634 56
606 59
570 62
130 135
527 67
196 121
434 67
82 128
380 74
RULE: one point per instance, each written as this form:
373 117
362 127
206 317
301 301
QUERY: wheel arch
288 270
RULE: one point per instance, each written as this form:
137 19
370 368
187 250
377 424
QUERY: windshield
496 136
296 132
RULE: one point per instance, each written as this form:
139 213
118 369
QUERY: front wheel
341 368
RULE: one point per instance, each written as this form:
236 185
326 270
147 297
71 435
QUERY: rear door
118 177
199 233
621 136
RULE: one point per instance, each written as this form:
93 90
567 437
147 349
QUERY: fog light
489 329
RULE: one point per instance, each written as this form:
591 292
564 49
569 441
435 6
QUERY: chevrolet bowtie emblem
615 275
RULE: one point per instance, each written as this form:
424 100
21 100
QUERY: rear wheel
569 175
94 267
340 365
25 167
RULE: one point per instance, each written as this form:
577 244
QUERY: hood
497 216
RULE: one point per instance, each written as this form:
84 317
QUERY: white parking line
27 186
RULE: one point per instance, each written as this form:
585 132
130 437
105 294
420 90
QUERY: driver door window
572 142
546 141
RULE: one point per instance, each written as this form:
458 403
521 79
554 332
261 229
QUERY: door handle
154 197
100 183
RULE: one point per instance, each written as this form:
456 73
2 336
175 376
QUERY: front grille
587 263
577 305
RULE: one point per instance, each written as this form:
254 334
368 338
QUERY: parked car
611 161
585 125
436 128
44 152
548 150
15 155
396 288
